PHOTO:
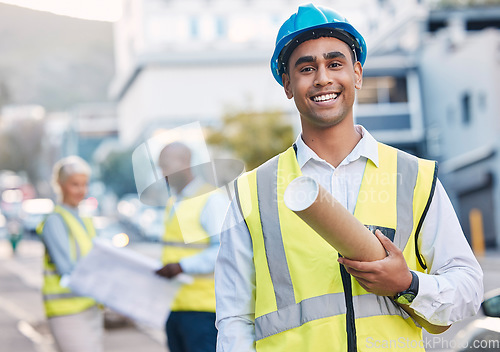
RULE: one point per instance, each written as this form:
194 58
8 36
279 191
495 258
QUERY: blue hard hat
312 22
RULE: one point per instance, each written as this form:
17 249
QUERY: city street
22 323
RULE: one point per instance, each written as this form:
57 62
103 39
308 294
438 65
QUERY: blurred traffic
123 221
146 221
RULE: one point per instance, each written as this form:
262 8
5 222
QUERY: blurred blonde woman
75 322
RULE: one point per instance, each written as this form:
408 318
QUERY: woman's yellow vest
184 236
306 301
60 300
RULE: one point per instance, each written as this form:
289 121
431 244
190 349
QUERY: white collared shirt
451 291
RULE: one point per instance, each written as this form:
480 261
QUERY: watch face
405 298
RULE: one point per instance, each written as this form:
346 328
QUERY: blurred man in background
193 221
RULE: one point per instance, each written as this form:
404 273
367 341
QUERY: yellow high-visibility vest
304 300
185 240
60 300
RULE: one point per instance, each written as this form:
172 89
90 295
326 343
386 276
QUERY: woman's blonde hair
66 167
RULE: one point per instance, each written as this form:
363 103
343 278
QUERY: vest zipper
349 317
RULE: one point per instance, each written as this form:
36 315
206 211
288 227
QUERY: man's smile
325 97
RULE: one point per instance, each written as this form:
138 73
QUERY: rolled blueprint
325 215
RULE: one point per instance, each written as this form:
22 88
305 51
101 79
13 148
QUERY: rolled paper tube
325 215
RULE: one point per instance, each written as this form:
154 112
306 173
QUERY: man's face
322 81
175 164
170 162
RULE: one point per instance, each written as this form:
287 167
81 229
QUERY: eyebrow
334 55
304 59
327 56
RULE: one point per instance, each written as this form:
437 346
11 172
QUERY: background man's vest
200 295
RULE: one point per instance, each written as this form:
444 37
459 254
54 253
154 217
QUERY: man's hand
169 270
385 277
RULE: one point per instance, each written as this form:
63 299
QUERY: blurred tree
4 93
117 173
20 147
253 137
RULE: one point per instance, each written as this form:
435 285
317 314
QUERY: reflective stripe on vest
322 307
407 166
267 179
181 228
60 296
289 314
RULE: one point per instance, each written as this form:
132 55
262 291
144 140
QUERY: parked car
145 219
482 334
151 222
113 229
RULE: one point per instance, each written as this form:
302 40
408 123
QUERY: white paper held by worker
124 280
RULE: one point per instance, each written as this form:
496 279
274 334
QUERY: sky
99 10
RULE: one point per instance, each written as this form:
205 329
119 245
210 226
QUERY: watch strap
407 296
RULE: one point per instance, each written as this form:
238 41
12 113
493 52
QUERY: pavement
23 327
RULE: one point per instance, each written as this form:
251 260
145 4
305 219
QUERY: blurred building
430 81
79 131
183 61
430 87
460 72
91 125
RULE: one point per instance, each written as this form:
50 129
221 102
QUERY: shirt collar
73 210
367 147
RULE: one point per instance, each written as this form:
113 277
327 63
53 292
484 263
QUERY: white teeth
325 97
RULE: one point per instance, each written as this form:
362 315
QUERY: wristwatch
407 296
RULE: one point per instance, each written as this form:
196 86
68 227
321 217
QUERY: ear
358 75
286 84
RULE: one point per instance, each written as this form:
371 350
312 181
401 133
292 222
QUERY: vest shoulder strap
427 180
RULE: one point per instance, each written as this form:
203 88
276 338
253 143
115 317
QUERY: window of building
383 90
466 108
435 24
479 24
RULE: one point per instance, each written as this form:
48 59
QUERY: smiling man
280 286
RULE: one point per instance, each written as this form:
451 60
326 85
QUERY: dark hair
316 33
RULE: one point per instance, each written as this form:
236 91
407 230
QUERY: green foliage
253 137
117 173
